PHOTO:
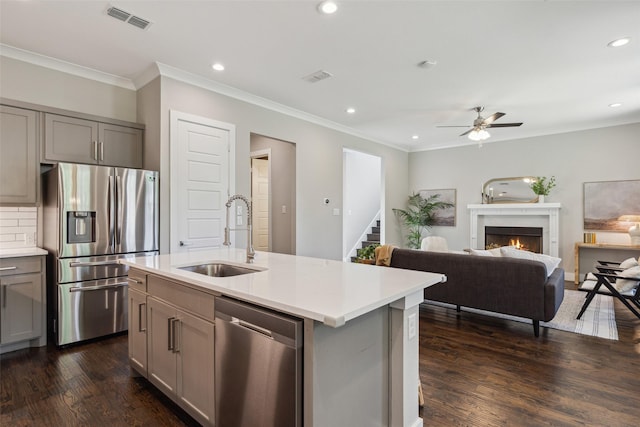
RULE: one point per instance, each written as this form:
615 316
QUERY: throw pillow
625 285
628 263
488 252
550 262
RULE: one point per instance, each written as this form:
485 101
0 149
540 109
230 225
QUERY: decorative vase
541 198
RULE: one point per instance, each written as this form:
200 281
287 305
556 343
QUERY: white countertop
20 252
332 292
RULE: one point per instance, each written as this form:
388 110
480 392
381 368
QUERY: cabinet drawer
181 296
11 266
137 280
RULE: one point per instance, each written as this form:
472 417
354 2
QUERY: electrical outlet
412 325
30 238
239 220
239 210
284 209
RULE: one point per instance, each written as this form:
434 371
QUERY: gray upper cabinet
120 146
18 156
70 139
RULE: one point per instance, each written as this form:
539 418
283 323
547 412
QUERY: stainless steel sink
218 269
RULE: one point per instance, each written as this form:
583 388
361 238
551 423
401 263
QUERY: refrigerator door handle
93 264
97 288
110 212
119 207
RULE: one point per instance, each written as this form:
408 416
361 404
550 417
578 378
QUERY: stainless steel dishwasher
258 366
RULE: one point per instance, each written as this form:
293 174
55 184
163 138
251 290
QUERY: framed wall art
605 202
447 216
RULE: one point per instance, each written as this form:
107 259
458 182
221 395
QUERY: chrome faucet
250 252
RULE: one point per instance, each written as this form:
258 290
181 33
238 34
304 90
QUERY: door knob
182 243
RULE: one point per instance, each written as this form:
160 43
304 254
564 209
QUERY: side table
617 253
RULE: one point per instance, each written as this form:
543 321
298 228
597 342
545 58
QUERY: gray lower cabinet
138 330
18 156
76 140
175 322
22 303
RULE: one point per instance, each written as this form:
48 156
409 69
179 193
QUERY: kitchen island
360 353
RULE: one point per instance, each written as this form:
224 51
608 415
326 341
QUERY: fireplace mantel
550 211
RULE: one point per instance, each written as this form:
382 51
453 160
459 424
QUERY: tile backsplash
18 227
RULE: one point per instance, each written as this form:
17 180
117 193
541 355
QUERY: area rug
598 320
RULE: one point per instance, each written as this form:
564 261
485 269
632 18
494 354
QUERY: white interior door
260 198
200 174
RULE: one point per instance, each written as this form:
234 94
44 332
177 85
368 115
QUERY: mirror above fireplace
509 190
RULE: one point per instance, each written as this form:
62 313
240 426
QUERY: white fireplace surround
545 215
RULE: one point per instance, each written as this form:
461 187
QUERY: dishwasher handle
255 328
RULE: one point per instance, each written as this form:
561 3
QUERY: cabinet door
194 349
138 330
68 139
120 146
21 299
18 155
161 360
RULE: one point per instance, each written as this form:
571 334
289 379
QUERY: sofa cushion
550 262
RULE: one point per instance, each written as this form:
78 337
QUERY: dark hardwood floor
475 370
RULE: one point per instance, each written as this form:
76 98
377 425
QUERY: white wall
605 154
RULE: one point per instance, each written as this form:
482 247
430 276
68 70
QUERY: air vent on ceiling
317 76
124 16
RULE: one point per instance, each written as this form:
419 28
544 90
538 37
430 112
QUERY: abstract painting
447 216
605 202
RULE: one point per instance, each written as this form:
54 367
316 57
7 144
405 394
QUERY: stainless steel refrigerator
94 216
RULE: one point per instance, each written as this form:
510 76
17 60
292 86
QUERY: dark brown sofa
504 285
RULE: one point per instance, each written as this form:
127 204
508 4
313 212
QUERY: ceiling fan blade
504 125
469 131
492 118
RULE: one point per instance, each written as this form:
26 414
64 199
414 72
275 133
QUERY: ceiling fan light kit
479 135
478 131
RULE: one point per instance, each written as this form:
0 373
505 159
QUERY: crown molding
232 92
65 67
159 69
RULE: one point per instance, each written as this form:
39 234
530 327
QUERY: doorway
274 213
363 201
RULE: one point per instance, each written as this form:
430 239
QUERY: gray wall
283 191
318 162
605 154
26 82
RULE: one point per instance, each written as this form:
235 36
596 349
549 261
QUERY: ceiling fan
480 124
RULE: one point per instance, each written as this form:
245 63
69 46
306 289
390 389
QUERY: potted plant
367 254
542 187
419 216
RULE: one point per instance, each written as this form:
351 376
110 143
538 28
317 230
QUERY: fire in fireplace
525 238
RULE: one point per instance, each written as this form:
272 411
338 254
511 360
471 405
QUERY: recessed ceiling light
218 67
619 42
351 110
327 7
415 137
615 105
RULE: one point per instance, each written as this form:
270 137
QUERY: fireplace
525 238
545 215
